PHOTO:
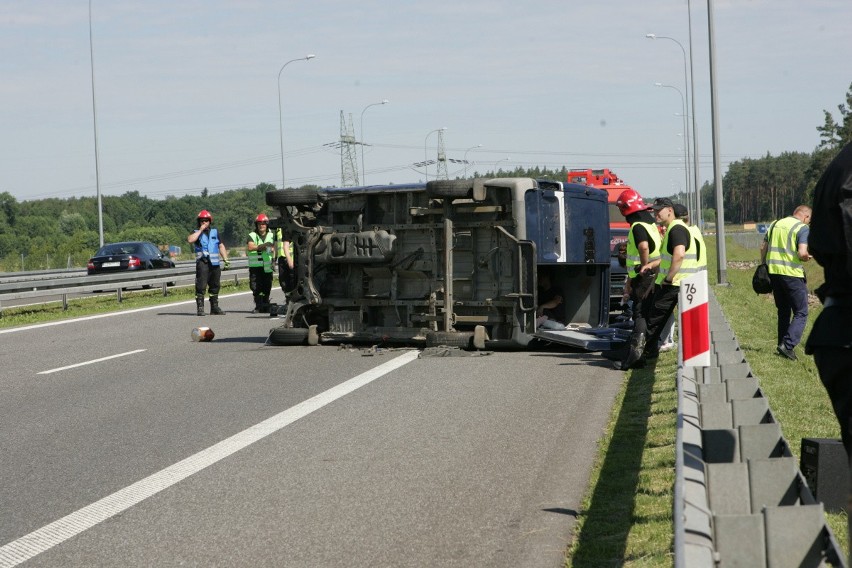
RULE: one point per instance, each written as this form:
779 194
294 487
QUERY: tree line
52 233
771 187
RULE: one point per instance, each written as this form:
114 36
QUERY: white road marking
59 531
90 362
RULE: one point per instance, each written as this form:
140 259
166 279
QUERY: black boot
199 304
214 306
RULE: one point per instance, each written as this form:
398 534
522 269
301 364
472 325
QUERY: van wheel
462 339
285 197
288 336
449 188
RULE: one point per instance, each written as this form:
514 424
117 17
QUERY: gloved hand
226 263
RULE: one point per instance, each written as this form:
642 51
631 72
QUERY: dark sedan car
137 255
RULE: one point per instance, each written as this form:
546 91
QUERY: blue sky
187 95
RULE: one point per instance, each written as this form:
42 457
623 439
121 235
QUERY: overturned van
448 262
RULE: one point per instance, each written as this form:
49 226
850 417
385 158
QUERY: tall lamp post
465 157
685 136
280 119
363 169
689 86
95 124
426 151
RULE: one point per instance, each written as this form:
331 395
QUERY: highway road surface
124 443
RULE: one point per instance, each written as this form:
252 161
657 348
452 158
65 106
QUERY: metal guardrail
81 284
739 497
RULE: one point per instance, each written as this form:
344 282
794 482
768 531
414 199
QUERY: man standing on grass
784 250
674 267
830 242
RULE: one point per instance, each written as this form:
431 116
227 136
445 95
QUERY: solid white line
90 362
59 531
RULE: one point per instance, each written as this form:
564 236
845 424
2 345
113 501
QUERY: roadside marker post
694 321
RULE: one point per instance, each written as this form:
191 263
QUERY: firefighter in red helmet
643 253
261 247
210 256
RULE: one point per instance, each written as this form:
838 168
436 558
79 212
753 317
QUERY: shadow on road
608 520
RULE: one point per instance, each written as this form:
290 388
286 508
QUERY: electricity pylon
442 158
348 153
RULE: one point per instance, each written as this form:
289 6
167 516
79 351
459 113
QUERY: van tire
462 339
288 336
285 197
449 188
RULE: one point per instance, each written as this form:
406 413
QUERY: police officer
830 243
643 249
210 255
261 245
784 249
674 266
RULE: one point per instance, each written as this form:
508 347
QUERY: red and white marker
694 334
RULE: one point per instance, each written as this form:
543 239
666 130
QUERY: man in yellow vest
643 246
260 247
784 249
673 267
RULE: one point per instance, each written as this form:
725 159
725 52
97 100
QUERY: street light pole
363 169
465 157
280 119
506 159
426 151
95 125
689 86
685 137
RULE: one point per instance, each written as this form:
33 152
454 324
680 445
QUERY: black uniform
830 243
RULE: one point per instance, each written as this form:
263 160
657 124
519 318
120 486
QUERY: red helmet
205 214
262 218
630 202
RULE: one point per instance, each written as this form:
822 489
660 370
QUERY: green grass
626 516
102 303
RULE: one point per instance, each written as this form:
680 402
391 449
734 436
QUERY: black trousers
663 306
835 371
260 283
207 276
286 275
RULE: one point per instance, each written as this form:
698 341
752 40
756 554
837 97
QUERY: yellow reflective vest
688 267
258 258
783 254
633 260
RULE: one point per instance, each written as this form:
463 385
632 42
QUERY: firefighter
784 249
643 252
261 246
210 255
